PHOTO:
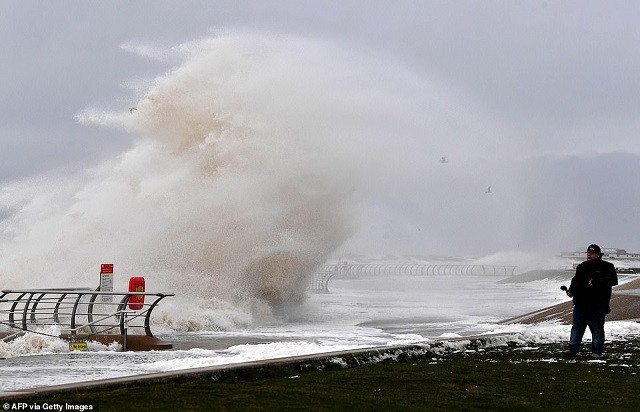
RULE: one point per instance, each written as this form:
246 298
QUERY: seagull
443 159
488 190
132 109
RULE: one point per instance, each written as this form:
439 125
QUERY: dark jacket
602 275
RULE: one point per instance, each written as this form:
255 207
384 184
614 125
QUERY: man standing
591 291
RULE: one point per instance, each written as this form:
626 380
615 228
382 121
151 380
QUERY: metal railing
77 310
320 279
415 269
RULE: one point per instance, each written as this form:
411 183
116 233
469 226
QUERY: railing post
35 305
124 335
24 311
56 309
90 312
147 319
122 307
12 312
73 314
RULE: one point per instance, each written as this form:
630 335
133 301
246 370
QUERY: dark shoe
596 356
568 353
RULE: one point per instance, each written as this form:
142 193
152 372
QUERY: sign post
106 281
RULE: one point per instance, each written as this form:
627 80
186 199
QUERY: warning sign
77 346
106 281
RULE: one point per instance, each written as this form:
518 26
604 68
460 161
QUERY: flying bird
132 109
489 190
443 159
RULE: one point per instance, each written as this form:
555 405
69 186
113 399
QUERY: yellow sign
77 346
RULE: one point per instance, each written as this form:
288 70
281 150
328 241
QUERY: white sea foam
246 353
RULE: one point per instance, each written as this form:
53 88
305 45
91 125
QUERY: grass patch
502 378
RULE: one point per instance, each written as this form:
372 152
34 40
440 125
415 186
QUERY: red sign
106 268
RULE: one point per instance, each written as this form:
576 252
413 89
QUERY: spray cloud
255 157
235 193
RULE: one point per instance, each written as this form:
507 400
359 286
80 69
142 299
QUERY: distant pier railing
322 276
409 269
77 313
320 281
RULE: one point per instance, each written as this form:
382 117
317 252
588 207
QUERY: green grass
504 378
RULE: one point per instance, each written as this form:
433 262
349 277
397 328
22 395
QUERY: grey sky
558 81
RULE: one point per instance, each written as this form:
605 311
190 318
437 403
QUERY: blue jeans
592 316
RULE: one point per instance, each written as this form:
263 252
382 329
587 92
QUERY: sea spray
251 163
235 192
